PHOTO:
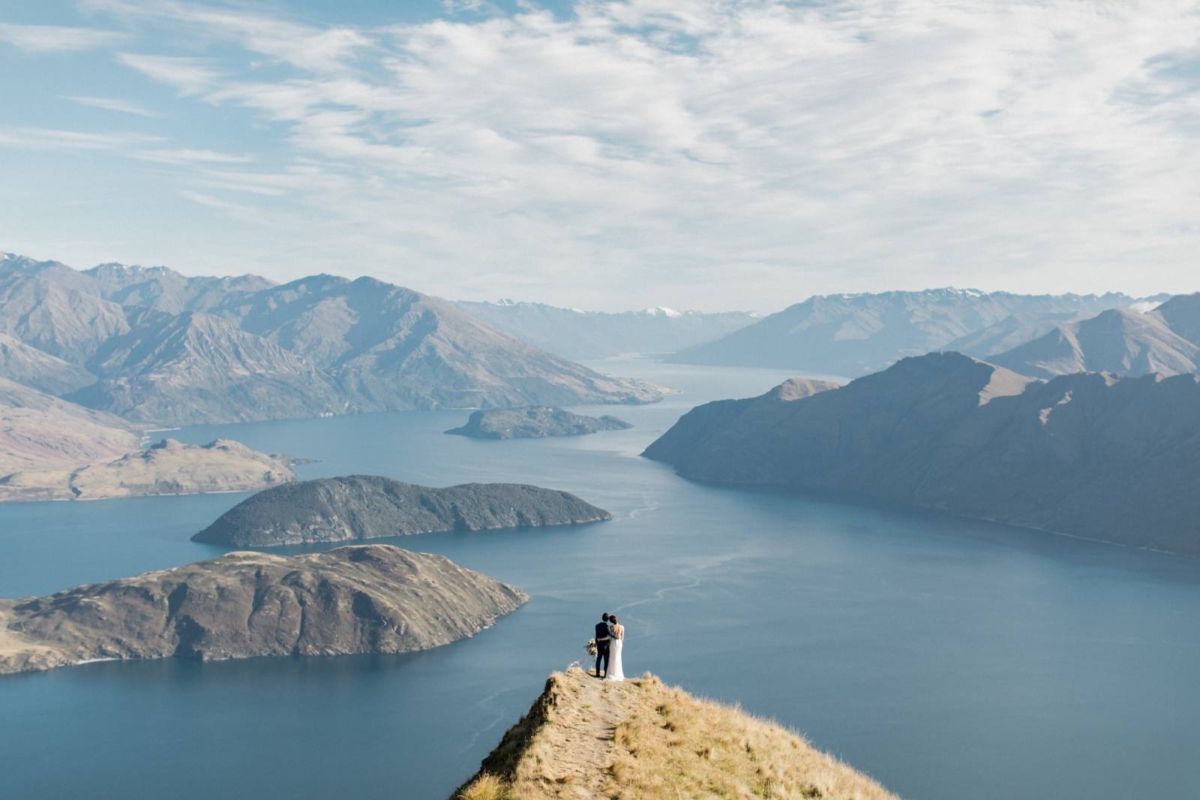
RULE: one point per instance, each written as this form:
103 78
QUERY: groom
602 640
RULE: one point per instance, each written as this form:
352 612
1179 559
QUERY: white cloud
26 138
186 156
719 153
56 39
113 104
187 74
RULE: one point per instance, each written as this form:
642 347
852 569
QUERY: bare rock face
1093 455
361 599
368 507
534 423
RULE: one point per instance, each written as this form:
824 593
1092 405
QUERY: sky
612 155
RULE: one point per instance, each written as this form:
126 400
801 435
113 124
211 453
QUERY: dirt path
580 743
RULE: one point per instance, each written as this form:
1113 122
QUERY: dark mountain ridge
1092 455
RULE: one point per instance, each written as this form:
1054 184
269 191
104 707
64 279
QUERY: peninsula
359 599
369 507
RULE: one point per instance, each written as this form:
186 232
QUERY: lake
948 658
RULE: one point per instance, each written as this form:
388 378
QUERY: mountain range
1092 455
155 346
576 334
856 334
1122 341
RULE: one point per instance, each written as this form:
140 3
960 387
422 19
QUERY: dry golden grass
642 740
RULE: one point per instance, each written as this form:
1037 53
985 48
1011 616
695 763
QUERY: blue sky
612 155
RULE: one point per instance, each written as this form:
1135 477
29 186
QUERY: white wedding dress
615 671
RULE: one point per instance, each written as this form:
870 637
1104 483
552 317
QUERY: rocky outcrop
363 599
1091 455
368 507
643 739
534 423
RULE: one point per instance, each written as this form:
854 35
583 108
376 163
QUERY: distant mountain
1092 455
1119 341
593 334
53 311
193 368
390 348
369 507
177 350
364 599
164 289
854 334
29 366
536 422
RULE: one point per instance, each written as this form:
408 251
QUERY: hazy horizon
607 155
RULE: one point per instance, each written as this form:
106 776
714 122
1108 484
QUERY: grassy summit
644 740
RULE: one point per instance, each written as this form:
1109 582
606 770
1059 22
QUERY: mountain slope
642 739
29 366
592 334
1091 455
1120 341
365 599
856 334
38 431
196 368
52 311
390 348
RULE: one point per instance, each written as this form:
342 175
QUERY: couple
610 638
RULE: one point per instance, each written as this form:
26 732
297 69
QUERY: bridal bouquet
591 647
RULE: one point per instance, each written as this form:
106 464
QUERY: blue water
950 659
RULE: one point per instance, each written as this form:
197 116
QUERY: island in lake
357 599
369 507
640 738
1090 454
534 422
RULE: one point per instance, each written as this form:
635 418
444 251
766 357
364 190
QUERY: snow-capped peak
663 311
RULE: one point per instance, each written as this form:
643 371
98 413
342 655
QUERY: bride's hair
612 618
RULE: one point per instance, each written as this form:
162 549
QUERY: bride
616 643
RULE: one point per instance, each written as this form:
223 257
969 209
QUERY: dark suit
602 637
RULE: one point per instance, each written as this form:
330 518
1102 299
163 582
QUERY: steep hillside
195 368
366 599
1119 341
585 738
390 348
1091 455
29 366
857 334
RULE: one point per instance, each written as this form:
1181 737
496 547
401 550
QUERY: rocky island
534 422
369 507
359 599
1091 455
643 739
